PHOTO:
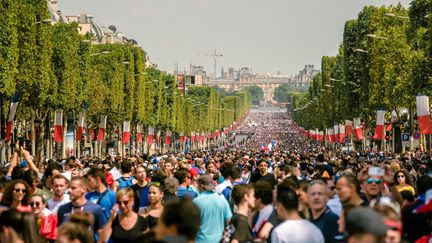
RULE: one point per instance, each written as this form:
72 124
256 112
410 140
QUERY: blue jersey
105 200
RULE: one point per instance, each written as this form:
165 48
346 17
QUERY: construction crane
215 55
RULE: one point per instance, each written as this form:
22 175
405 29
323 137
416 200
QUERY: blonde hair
124 191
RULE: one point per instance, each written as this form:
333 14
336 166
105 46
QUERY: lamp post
37 122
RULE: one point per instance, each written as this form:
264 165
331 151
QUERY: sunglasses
123 202
20 190
332 188
377 181
400 176
37 204
156 184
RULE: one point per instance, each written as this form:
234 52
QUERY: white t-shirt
294 231
54 205
263 217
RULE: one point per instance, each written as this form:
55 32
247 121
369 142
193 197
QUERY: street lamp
360 50
45 21
396 16
376 37
99 53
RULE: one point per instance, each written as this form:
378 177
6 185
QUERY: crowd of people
275 186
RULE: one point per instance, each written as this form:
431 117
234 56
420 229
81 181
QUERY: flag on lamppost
358 132
12 111
150 135
126 132
422 104
342 133
102 128
58 126
348 127
379 127
182 137
336 133
168 137
139 133
81 126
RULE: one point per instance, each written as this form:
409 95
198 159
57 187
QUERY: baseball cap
207 182
193 171
427 206
362 220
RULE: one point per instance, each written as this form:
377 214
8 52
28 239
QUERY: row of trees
384 60
53 67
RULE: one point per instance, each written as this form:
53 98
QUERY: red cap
193 172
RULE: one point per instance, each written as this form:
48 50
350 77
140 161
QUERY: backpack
125 182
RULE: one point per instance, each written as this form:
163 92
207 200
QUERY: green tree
281 93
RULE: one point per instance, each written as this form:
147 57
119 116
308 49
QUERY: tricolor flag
102 128
139 133
321 136
12 111
126 132
336 133
379 128
58 126
348 127
158 136
358 132
422 104
192 137
168 137
182 137
81 126
150 135
341 133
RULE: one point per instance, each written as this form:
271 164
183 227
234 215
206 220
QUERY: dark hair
23 223
78 227
264 191
320 158
352 181
235 172
17 173
31 176
184 214
287 197
239 191
225 168
407 179
407 195
181 175
52 166
7 197
424 183
97 173
126 167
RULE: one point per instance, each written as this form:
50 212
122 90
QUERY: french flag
126 132
342 133
182 137
102 128
422 104
150 135
358 132
192 137
12 111
158 136
336 133
348 127
58 126
139 133
168 137
379 128
81 126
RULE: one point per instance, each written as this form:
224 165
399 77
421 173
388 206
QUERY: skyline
268 37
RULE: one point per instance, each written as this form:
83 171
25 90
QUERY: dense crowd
275 186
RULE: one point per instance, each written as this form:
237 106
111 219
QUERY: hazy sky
265 35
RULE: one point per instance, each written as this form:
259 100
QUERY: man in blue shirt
183 190
215 212
100 194
78 203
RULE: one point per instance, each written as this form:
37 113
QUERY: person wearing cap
194 174
214 211
363 224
